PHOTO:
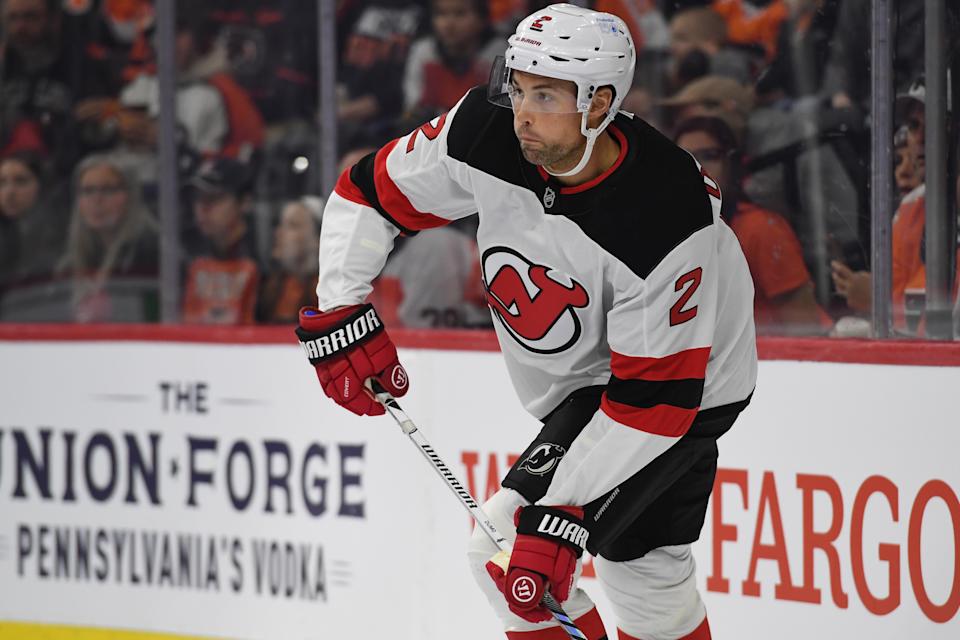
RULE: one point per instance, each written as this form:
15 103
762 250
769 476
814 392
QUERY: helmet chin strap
591 136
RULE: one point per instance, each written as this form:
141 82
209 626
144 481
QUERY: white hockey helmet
589 48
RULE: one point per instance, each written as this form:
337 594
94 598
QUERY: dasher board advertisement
211 490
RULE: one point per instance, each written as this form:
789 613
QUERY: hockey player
623 307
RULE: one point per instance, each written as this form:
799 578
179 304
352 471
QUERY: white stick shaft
443 471
390 404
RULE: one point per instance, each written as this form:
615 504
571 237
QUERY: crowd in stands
771 96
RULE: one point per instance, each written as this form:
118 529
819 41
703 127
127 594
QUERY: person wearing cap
823 191
908 170
215 115
713 95
292 280
783 302
223 278
908 232
623 306
911 114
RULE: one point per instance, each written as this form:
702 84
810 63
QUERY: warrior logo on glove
564 529
347 346
524 589
399 377
549 542
351 331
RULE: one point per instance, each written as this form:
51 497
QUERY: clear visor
529 91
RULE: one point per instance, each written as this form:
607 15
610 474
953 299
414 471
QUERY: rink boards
161 489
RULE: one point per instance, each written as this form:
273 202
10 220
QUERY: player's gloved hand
549 542
347 346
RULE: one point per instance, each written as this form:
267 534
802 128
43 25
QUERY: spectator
454 58
215 115
713 95
32 225
908 233
41 79
115 33
790 170
756 26
907 172
911 115
272 51
292 282
802 49
112 247
698 47
847 81
784 301
372 64
223 278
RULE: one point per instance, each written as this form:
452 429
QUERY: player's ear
600 105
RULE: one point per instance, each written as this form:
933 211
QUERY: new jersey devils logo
535 304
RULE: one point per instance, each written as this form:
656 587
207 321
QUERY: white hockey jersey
631 281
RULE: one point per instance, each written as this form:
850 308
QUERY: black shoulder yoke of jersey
482 136
653 201
649 205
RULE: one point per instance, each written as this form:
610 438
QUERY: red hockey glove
347 346
549 542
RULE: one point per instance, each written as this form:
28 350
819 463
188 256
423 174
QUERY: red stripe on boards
394 201
589 623
917 353
683 365
662 419
349 191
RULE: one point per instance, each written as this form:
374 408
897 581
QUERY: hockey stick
390 404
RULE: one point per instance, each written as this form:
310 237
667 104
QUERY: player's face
546 120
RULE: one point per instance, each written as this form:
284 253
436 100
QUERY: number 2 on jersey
690 280
430 131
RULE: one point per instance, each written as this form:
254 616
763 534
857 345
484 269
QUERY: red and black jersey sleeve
410 184
413 181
